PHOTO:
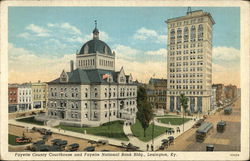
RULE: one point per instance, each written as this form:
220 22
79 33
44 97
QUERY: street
229 140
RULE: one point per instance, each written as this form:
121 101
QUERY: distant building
93 93
213 99
157 94
231 91
220 95
13 97
189 64
25 99
40 94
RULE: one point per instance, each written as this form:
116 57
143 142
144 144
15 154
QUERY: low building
13 97
25 99
213 99
40 95
231 92
220 94
157 94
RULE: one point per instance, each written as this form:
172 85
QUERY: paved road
227 141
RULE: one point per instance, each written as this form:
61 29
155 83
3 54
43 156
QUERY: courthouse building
93 93
189 63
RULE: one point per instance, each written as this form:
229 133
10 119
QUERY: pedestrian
59 129
152 147
147 147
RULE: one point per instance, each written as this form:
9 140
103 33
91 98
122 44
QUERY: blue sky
137 34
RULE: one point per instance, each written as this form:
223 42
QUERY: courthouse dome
95 45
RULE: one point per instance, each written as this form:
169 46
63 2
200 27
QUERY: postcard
124 80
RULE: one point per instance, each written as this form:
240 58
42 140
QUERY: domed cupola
95 54
95 45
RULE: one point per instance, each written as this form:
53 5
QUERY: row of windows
179 64
172 53
192 69
186 22
38 96
185 75
186 92
88 62
192 57
185 46
38 90
106 63
14 93
186 81
186 87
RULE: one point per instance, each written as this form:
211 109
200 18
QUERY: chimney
71 65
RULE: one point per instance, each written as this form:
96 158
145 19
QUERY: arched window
193 33
200 32
172 36
86 49
179 35
186 34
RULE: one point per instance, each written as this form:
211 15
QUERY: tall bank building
189 62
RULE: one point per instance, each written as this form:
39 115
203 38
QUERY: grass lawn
30 120
173 121
116 130
139 133
12 140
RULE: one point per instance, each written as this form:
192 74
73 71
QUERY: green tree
145 111
184 104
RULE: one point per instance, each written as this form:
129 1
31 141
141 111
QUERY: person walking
147 147
152 147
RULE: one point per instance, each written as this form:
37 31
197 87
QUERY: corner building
189 62
93 93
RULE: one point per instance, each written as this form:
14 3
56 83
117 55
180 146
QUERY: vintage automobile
73 147
89 148
210 147
23 140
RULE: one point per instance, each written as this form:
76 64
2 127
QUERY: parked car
73 147
210 147
198 123
89 148
103 142
23 140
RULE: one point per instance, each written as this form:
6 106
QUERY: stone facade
189 62
94 93
157 94
40 95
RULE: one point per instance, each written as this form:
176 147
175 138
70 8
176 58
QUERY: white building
93 93
25 101
189 63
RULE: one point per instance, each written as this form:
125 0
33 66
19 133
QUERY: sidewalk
158 140
70 133
126 128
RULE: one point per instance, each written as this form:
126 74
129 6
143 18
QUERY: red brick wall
12 95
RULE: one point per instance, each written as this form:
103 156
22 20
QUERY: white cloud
226 53
67 26
160 52
25 35
25 66
39 31
125 52
143 71
148 34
